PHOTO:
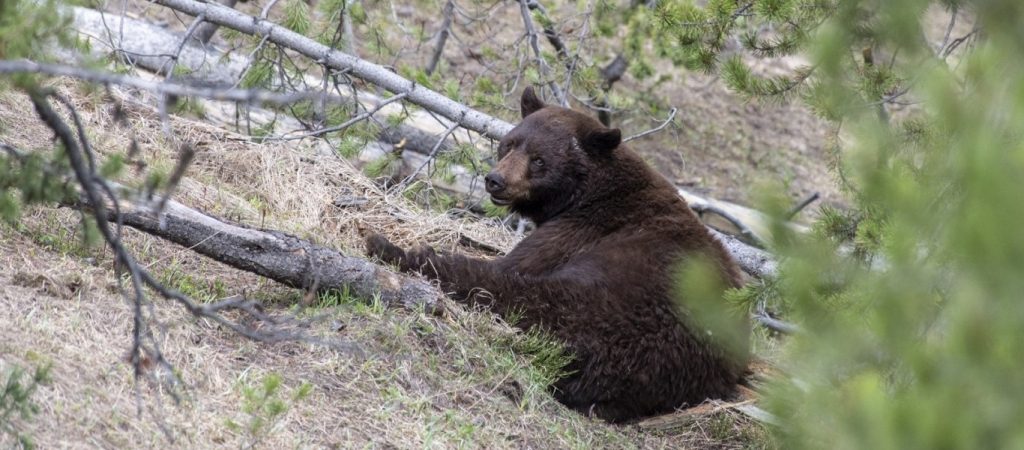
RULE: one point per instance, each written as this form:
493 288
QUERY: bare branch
803 204
958 41
954 12
671 115
542 65
207 30
186 153
430 157
373 73
774 324
342 126
744 230
442 36
549 32
614 71
249 96
571 63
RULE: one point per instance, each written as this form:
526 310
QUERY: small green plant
190 106
535 357
16 400
202 290
335 298
264 405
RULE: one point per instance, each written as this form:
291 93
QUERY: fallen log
279 256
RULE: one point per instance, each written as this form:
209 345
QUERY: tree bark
206 30
281 257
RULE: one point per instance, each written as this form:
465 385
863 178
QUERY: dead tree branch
753 261
348 123
744 230
542 65
442 36
97 192
774 324
549 32
671 115
207 30
430 157
278 256
802 205
373 73
248 96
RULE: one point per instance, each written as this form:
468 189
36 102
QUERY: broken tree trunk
281 257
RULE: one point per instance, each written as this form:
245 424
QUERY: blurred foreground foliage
911 301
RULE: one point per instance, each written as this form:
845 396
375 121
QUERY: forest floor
405 379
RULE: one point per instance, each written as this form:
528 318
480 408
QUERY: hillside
398 378
390 377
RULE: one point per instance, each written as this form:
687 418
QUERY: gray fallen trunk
278 256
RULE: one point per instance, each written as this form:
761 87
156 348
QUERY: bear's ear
530 103
602 140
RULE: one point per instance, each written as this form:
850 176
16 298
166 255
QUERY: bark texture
281 257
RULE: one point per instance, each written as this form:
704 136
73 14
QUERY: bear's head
545 162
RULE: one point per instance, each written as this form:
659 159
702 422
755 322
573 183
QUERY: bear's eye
537 162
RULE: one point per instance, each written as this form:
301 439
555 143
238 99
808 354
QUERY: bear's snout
495 183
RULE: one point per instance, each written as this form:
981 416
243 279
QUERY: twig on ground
479 245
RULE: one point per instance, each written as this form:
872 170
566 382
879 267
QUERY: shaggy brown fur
599 272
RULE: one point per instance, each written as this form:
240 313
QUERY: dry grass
409 380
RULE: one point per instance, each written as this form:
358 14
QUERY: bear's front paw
419 258
381 248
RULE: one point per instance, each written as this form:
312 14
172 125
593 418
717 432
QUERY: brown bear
600 271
